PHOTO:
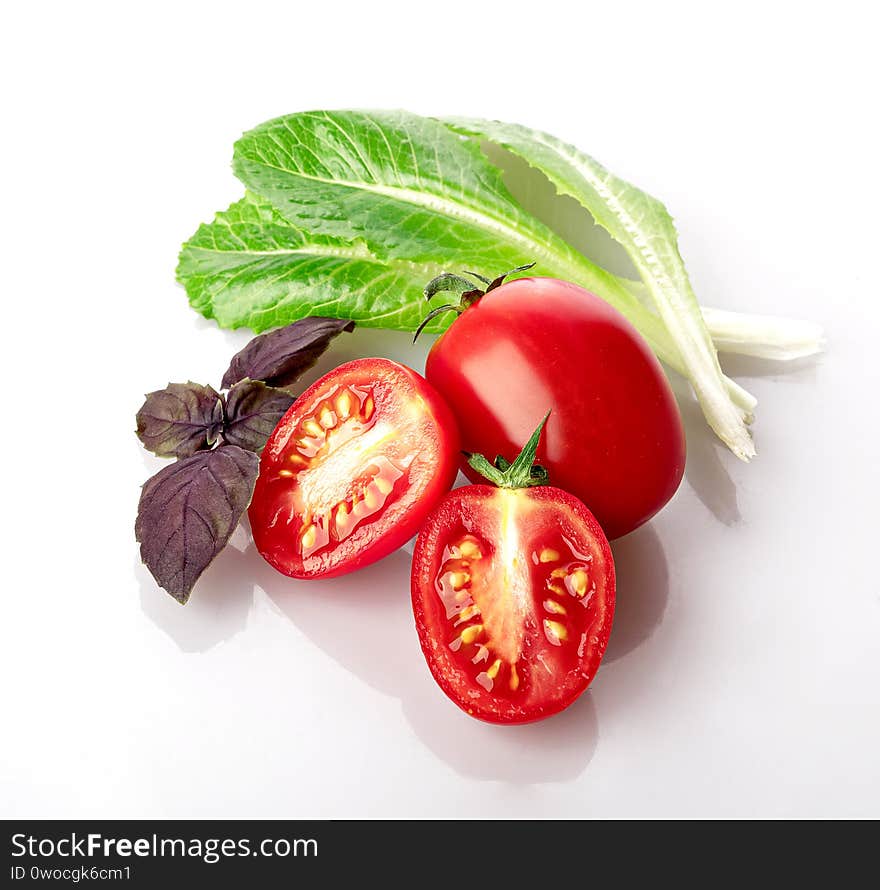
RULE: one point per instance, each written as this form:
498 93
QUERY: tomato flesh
352 469
513 595
614 437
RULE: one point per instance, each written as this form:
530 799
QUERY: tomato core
337 480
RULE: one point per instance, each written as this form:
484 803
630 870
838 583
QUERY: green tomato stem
522 473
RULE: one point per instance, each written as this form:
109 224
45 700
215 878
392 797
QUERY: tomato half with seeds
513 592
513 595
352 470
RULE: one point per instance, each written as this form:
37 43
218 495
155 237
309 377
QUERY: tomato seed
555 632
469 549
459 579
578 579
343 404
309 536
469 634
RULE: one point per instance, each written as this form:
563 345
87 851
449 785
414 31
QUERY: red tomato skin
425 566
443 440
614 438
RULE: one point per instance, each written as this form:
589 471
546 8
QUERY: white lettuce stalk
763 336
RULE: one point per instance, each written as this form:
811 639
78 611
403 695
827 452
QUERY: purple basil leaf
189 510
280 357
180 420
252 412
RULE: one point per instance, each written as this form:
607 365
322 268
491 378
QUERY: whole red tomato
614 438
352 470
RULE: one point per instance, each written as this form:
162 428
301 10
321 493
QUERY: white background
743 676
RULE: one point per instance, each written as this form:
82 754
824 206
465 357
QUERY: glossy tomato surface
614 437
352 470
513 596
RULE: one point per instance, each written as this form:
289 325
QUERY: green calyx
467 291
522 473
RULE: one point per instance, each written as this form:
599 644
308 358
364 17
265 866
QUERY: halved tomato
352 469
513 594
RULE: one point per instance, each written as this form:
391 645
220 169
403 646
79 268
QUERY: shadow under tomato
364 621
704 470
642 591
554 750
